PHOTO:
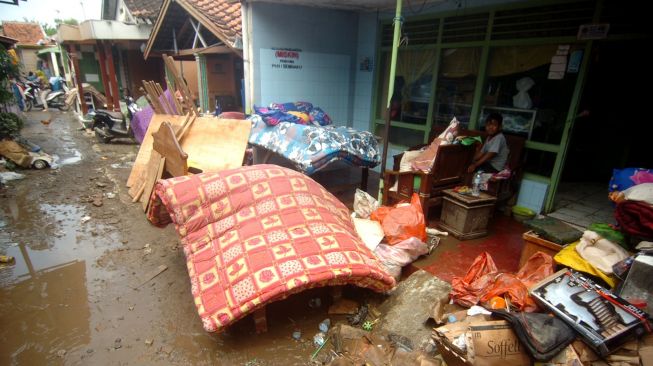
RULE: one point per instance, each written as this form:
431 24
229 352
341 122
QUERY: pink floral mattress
258 234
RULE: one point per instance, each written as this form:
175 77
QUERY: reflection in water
45 311
43 295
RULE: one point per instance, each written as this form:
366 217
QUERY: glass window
412 86
523 85
456 84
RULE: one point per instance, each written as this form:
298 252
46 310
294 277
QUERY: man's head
493 123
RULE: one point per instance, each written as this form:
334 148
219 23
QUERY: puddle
44 302
75 158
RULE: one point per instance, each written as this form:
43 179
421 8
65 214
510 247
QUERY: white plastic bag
394 257
364 204
522 99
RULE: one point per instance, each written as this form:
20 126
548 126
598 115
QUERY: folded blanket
310 148
258 234
298 112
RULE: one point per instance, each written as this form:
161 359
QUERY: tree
8 68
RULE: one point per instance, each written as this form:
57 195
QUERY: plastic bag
600 252
394 257
522 99
364 204
467 290
402 221
483 282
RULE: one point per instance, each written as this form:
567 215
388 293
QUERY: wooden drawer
533 243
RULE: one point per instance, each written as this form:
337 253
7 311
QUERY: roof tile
25 33
225 14
144 9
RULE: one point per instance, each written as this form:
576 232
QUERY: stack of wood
210 144
149 164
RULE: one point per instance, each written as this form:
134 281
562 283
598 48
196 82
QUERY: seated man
493 155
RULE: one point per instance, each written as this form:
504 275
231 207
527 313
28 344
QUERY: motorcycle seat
112 114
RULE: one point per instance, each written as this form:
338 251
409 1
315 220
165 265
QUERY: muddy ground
78 290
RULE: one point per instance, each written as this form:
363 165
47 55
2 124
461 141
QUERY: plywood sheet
214 144
143 156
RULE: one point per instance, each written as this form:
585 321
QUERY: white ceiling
352 4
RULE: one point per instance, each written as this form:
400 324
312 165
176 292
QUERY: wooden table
464 216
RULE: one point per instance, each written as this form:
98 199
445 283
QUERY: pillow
406 165
424 162
625 178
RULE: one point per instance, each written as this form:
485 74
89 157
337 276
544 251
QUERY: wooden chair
166 144
449 170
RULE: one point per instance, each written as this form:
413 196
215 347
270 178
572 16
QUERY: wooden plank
144 151
166 102
154 173
215 144
180 83
154 99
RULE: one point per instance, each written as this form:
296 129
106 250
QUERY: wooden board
165 143
214 144
138 170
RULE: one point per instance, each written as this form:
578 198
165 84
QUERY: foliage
51 30
10 125
8 69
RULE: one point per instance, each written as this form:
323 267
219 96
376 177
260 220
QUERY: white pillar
55 64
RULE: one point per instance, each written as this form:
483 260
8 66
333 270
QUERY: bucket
521 213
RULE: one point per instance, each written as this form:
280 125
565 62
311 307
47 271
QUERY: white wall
328 50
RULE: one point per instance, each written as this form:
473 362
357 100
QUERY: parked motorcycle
109 125
54 99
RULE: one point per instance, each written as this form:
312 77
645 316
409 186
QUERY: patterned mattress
310 148
257 234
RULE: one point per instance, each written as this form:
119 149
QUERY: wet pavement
76 293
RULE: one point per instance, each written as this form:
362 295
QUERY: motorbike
54 99
109 125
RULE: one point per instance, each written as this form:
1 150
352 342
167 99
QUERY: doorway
614 131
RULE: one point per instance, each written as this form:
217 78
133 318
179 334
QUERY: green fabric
470 140
606 231
554 230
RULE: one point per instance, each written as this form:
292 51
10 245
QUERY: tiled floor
581 204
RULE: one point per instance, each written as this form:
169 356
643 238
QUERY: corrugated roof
26 33
144 9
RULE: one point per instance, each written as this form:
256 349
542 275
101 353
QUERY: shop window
412 86
531 93
456 84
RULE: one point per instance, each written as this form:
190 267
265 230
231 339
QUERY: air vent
543 21
417 32
465 28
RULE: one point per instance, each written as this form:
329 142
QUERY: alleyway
79 292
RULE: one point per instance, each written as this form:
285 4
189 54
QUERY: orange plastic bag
403 221
483 282
467 290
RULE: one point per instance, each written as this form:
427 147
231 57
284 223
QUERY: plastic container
521 213
476 186
325 325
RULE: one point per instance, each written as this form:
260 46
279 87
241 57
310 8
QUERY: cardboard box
487 343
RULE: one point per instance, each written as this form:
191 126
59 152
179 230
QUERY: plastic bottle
476 186
325 325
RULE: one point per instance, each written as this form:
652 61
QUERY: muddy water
79 292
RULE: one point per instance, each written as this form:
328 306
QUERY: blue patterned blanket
311 148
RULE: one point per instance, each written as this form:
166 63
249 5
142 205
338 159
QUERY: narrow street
80 290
